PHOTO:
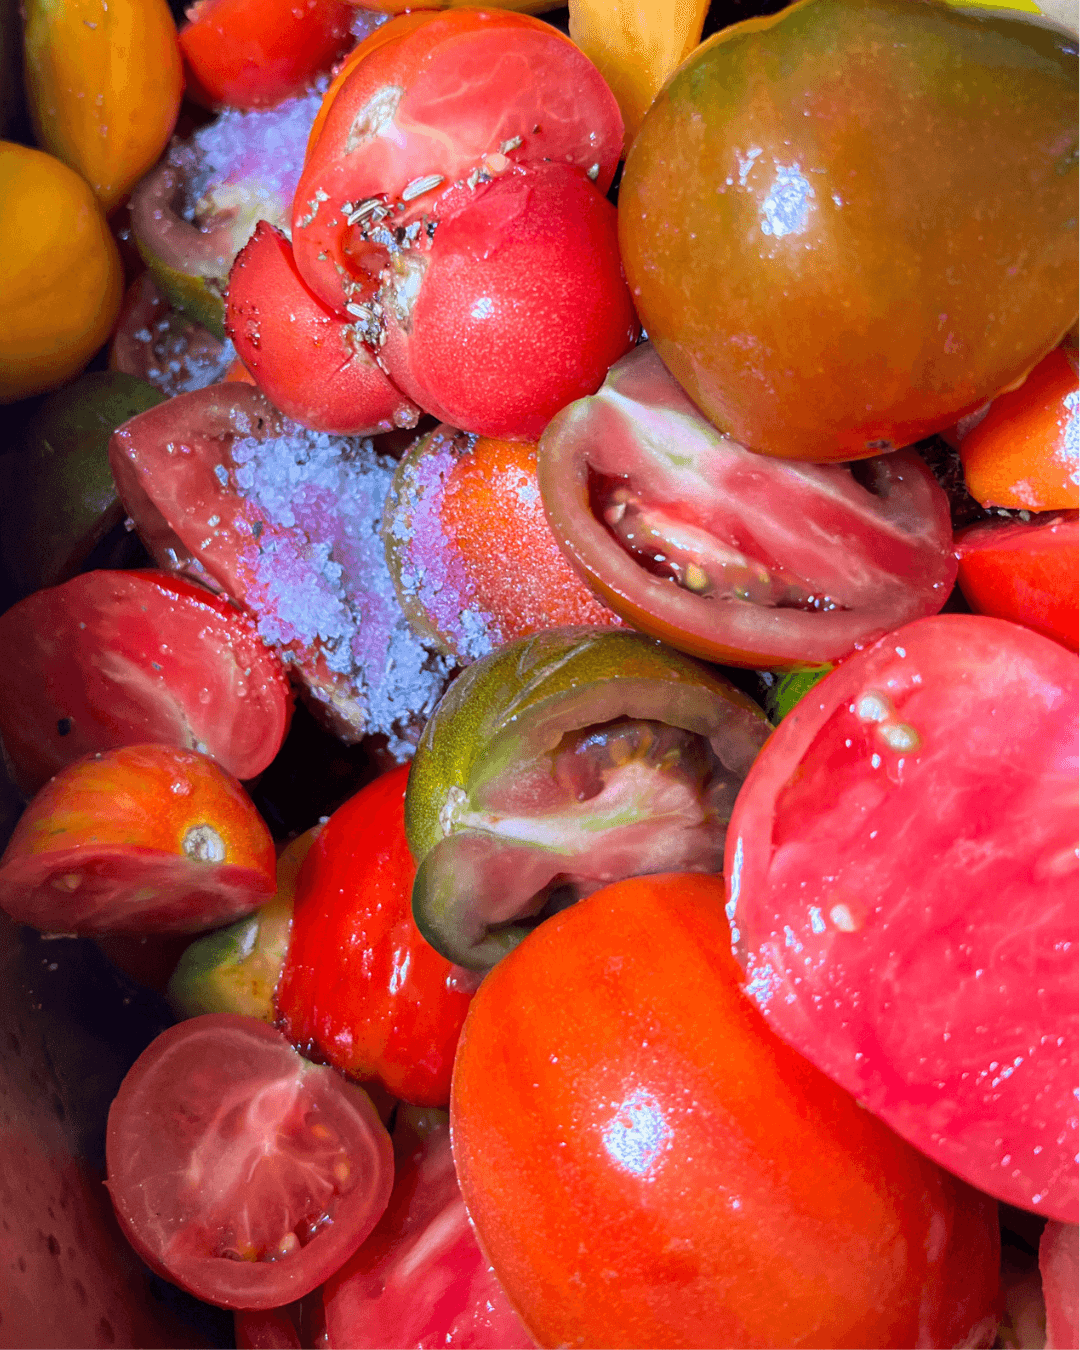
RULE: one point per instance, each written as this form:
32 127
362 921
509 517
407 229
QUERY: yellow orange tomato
61 280
104 81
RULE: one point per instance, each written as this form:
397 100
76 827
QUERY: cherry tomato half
902 873
646 1164
237 1169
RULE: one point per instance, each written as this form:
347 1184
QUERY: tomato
1027 572
307 361
792 241
162 345
1058 1262
361 988
270 1329
1025 452
420 1278
651 1165
730 555
901 864
461 95
121 658
237 1169
516 307
144 839
246 55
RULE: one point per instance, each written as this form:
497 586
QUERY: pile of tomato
663 526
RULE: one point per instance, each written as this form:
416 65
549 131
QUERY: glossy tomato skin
420 1278
729 555
441 100
791 241
360 988
517 308
654 1167
237 1169
141 839
122 658
309 363
1026 572
901 866
243 55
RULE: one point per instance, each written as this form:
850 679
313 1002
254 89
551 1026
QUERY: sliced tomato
237 1169
309 363
1027 572
463 94
902 874
122 658
144 839
267 1329
1059 1265
730 555
162 346
420 1278
360 986
256 53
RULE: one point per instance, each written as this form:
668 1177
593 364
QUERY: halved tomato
901 867
237 1169
123 658
730 555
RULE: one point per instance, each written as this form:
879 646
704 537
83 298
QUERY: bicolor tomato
163 346
143 839
728 554
237 1169
902 874
123 658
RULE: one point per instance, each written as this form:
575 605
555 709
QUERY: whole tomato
361 988
647 1164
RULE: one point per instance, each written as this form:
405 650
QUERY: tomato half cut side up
729 555
239 1170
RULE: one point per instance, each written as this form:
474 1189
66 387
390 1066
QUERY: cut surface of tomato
237 1169
901 867
124 658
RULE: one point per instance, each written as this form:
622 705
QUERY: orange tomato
647 1164
147 838
1025 453
61 280
104 82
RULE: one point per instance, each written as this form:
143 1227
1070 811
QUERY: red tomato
1024 572
902 872
1025 453
308 362
243 54
162 346
516 308
122 658
1058 1265
648 1165
361 988
420 1279
237 1169
144 839
730 555
467 92
268 1329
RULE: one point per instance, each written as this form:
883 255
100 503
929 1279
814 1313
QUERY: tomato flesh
901 864
237 1169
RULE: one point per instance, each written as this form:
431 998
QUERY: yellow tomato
104 81
61 279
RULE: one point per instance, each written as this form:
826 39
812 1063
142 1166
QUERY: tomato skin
239 54
902 886
360 987
440 97
122 658
653 1167
161 345
1024 572
223 1139
306 360
521 304
146 838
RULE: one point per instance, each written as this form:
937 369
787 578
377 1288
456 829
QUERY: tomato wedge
237 1169
122 658
902 873
730 555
